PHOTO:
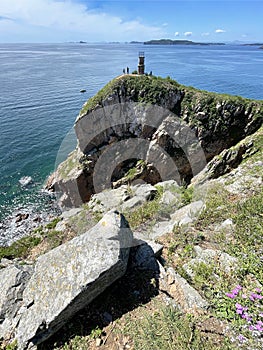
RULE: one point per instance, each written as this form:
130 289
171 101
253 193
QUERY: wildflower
240 307
246 317
258 328
230 295
258 290
235 291
241 338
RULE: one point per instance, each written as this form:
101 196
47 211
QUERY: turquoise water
40 97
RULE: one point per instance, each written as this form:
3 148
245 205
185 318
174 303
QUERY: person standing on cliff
128 70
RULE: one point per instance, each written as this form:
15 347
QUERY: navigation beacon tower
141 65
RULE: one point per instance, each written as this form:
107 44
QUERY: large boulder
70 276
13 282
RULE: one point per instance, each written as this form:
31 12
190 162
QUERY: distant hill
254 44
177 42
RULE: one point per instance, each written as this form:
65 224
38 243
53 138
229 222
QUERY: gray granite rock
70 276
227 225
124 198
143 258
144 254
210 257
187 214
13 282
184 295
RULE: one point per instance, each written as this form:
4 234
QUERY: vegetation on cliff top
154 90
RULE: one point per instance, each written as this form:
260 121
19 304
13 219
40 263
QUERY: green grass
248 236
51 225
20 248
144 89
167 329
218 207
77 343
145 212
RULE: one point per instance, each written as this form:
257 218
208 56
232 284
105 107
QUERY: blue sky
126 20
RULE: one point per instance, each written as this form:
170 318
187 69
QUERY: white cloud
188 33
67 20
176 34
205 34
220 31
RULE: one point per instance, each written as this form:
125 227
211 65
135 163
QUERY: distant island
177 42
254 44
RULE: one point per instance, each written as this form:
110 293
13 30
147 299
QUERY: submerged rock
25 181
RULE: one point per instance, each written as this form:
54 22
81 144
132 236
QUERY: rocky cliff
175 130
181 258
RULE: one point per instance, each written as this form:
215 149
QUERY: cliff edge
175 130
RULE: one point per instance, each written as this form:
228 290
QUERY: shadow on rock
138 286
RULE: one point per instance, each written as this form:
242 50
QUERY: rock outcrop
14 279
176 130
64 280
124 198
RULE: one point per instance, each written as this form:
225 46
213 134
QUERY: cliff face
174 129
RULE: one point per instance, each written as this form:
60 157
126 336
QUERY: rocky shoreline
27 218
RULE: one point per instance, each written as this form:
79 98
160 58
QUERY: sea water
40 99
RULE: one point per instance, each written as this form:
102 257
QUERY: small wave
25 180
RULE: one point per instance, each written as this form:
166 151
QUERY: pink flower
247 317
241 338
258 328
254 296
230 295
